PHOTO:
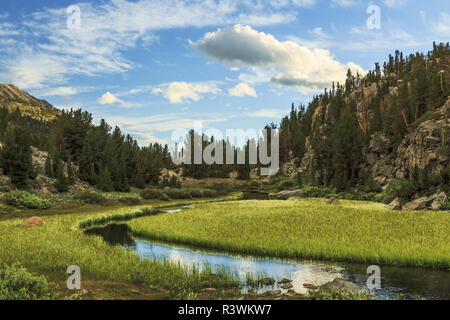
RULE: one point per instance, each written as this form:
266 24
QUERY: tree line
97 154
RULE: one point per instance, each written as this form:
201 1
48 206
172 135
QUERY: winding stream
410 282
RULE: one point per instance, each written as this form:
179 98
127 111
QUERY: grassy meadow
59 243
354 231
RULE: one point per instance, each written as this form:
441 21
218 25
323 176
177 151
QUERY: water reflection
432 284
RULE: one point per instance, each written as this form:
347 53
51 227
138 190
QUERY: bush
177 193
445 205
132 201
16 283
223 188
195 193
91 197
154 194
25 200
210 193
399 188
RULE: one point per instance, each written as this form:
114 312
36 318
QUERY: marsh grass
49 250
354 231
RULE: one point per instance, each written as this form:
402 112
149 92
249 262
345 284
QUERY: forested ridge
106 158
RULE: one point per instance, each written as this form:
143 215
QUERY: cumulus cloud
305 68
242 90
182 92
109 98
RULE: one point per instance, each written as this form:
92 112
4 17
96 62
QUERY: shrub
445 205
286 184
223 188
399 188
16 283
91 197
195 193
177 193
25 200
129 200
210 193
152 194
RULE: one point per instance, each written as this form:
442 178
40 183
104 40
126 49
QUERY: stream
406 281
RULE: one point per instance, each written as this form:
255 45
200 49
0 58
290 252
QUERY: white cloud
181 92
242 90
394 3
344 3
109 98
267 113
60 91
443 24
7 29
307 69
297 3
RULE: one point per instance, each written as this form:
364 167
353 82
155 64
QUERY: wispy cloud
108 29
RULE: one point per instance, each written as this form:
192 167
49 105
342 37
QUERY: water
430 284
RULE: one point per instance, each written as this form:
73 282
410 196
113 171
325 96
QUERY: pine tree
16 156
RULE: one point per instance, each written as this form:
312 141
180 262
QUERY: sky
154 66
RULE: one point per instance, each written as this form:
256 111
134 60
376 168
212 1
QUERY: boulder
333 201
309 286
341 284
418 204
287 286
33 222
284 281
438 201
84 292
272 293
286 194
267 281
208 291
394 205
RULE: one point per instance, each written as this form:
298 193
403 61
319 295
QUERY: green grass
354 231
50 249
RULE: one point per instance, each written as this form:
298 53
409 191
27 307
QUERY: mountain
12 97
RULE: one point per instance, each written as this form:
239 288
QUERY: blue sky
152 66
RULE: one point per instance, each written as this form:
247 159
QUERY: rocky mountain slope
425 147
12 97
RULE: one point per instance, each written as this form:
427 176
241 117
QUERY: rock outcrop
286 194
395 204
432 202
423 147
